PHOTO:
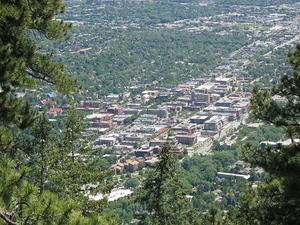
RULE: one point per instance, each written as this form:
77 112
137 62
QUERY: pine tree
277 200
21 61
22 64
40 147
212 216
21 203
23 24
164 195
73 173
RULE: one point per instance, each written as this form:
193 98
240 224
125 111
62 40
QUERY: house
113 97
115 109
215 123
173 106
222 90
54 111
135 137
132 165
99 117
158 142
243 105
219 110
254 125
185 88
186 139
144 152
277 145
92 104
123 148
199 119
151 94
106 140
117 168
224 80
121 119
161 113
146 119
200 98
134 144
226 102
44 102
151 161
131 111
134 105
205 88
177 151
184 129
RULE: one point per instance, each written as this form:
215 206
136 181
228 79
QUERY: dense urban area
209 106
179 73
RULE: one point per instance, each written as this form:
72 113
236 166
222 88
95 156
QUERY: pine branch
39 76
6 219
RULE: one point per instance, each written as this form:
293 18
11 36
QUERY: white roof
97 116
200 117
216 118
205 86
234 175
108 138
113 196
223 79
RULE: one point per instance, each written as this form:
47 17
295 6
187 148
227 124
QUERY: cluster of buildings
48 101
194 113
138 128
191 114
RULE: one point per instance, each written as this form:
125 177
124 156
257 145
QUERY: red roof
44 101
55 111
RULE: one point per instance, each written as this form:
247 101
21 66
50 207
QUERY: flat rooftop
205 86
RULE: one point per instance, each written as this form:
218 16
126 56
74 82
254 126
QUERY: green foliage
41 145
255 2
129 43
276 201
213 216
50 158
73 171
131 183
267 132
6 139
201 173
125 208
52 166
164 195
21 63
142 56
21 203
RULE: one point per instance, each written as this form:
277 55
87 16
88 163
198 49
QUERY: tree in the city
164 195
23 65
277 199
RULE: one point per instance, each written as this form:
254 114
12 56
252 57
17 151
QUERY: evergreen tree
52 167
212 216
74 172
22 203
164 195
22 64
40 147
277 200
